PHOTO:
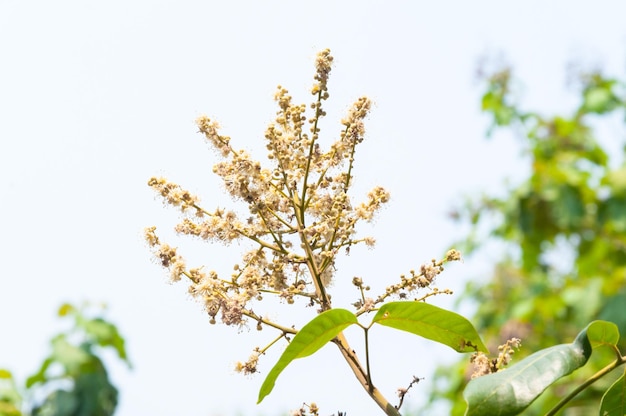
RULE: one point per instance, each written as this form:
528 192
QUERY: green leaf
40 376
599 99
66 309
106 334
58 403
69 355
9 409
308 340
510 391
602 333
96 394
433 323
614 400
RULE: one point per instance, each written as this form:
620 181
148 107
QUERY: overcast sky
96 97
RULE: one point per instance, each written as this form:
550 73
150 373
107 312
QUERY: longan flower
150 236
369 241
376 198
171 260
210 130
243 177
323 65
430 270
483 365
453 255
224 228
173 193
232 311
250 366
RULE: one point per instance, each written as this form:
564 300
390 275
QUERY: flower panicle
483 365
300 214
174 195
210 129
422 279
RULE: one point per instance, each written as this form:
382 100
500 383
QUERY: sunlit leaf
308 340
602 333
106 334
40 376
8 409
431 322
599 99
66 309
67 354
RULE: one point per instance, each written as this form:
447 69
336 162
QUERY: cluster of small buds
483 365
453 255
323 65
167 256
289 293
416 281
369 241
208 288
428 272
365 304
354 121
375 198
426 276
368 305
506 351
243 177
174 194
220 226
210 130
250 366
306 410
357 281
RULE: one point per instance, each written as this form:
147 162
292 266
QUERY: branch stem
357 368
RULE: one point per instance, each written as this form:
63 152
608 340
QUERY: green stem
367 358
277 241
606 370
318 109
268 346
284 329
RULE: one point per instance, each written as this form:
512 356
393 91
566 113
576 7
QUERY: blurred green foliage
72 380
562 231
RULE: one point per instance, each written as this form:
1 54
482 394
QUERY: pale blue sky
96 97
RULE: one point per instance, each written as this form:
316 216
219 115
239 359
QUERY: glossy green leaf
614 399
308 340
510 391
431 322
